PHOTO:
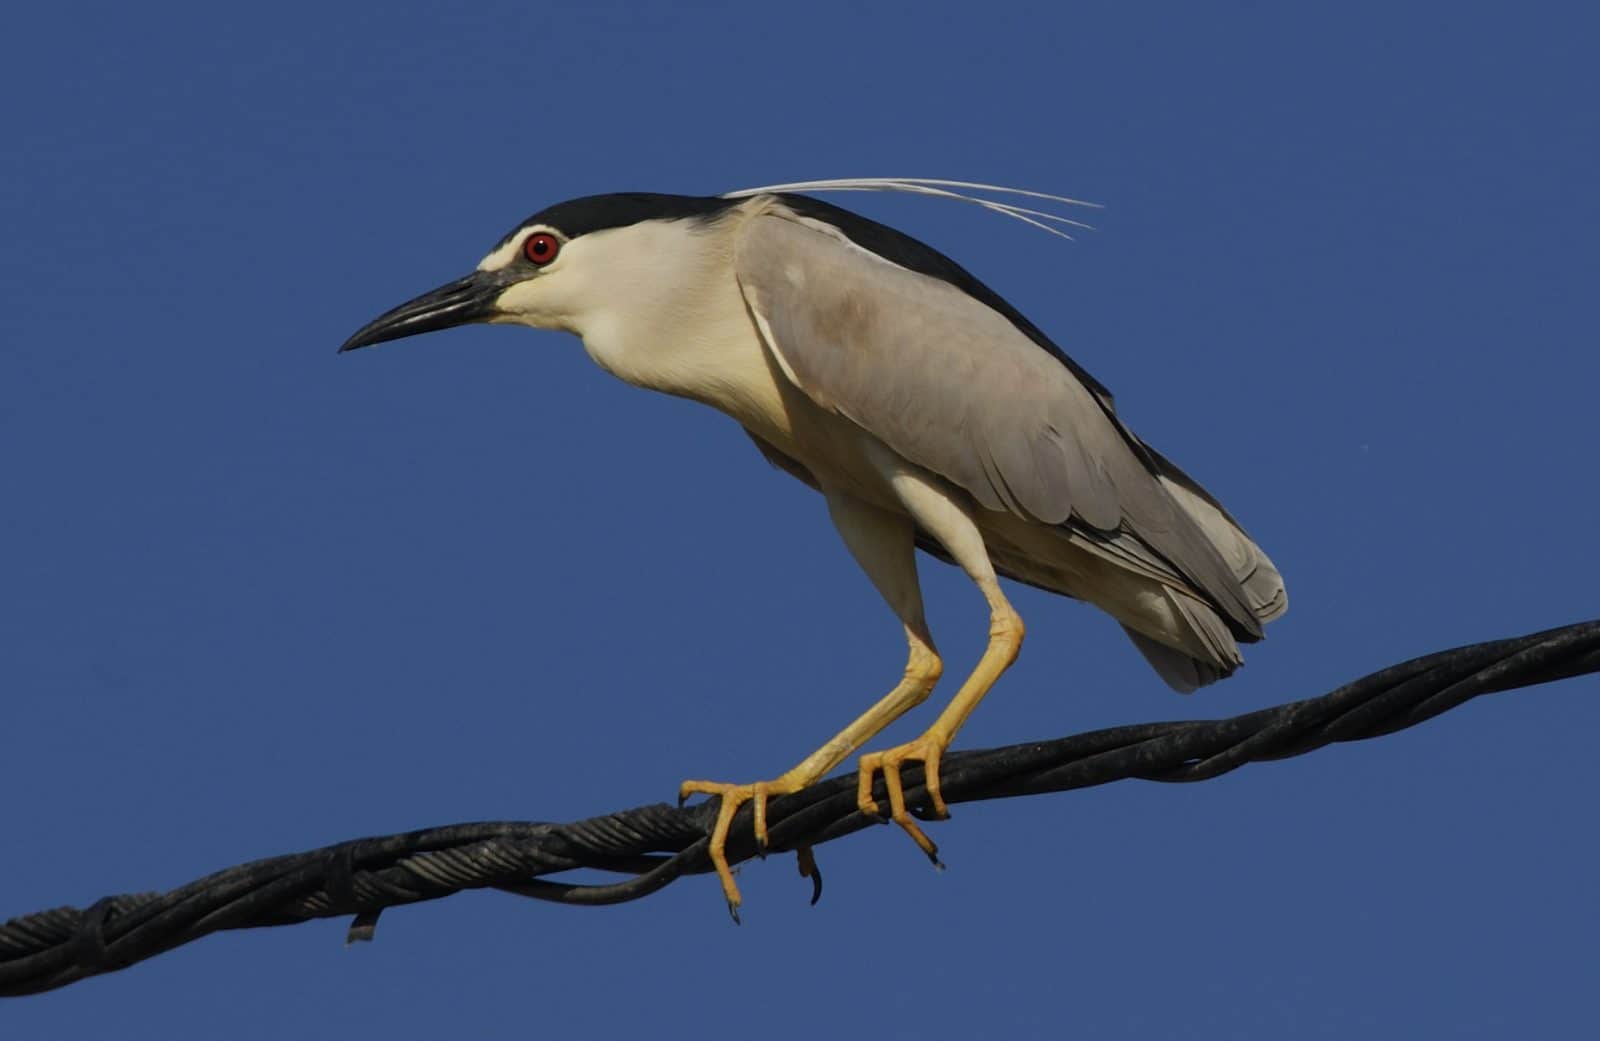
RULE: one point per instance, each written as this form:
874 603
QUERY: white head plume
943 189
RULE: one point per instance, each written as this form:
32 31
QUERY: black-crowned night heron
927 411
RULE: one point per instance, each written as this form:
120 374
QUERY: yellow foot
927 748
734 796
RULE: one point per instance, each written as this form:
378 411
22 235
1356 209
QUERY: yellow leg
948 516
1005 639
923 668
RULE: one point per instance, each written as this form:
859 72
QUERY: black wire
50 949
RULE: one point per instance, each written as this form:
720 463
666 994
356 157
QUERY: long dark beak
469 299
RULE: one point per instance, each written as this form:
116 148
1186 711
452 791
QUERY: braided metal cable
658 844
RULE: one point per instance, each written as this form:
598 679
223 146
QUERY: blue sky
260 597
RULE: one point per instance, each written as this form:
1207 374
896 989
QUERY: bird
926 409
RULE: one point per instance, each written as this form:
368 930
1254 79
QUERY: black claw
933 858
809 869
733 912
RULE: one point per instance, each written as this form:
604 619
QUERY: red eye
542 248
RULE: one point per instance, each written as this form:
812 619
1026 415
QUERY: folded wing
954 386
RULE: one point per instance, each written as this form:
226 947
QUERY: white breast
668 315
659 306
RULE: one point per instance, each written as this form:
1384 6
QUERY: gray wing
955 387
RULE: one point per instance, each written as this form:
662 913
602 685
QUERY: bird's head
562 266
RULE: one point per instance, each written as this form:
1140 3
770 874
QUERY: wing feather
954 386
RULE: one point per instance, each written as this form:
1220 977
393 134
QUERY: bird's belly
837 453
1042 555
1051 557
729 368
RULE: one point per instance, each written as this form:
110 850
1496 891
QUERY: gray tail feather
1206 653
1252 569
1259 580
1179 670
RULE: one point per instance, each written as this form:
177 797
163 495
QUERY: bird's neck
685 331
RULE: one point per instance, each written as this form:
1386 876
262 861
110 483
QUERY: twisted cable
657 844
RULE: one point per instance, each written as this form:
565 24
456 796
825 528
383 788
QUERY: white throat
658 304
